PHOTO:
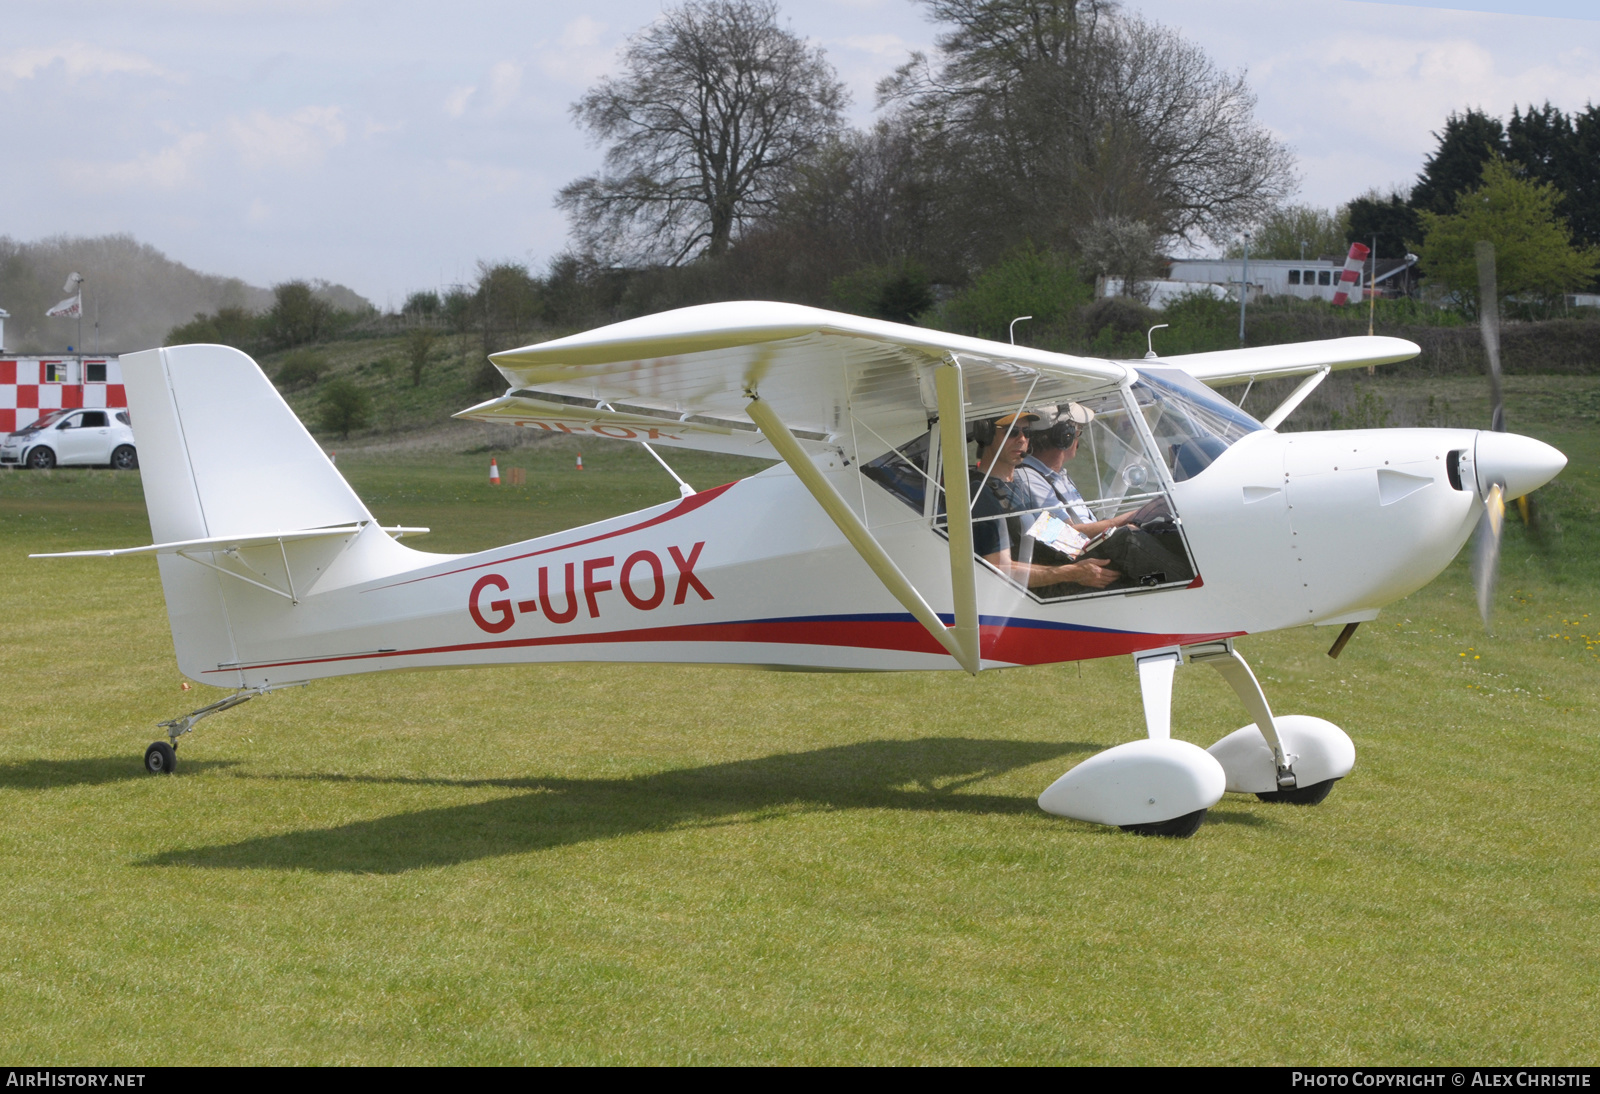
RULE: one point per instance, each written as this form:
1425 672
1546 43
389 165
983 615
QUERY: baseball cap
1024 418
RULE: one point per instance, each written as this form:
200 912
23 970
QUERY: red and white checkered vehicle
64 411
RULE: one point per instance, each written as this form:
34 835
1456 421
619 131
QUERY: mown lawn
641 864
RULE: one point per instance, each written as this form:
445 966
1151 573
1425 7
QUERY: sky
391 145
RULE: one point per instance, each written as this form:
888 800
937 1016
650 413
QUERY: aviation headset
1060 434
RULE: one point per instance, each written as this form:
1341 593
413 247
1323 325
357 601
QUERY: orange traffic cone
580 461
494 472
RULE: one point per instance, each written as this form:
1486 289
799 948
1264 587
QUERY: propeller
1489 320
1486 550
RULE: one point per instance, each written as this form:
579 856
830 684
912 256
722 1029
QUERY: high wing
685 378
1236 366
1313 360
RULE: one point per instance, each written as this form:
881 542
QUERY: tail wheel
41 458
161 759
125 458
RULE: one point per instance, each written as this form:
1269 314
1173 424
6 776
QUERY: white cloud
505 80
296 140
258 212
583 53
79 60
455 103
164 169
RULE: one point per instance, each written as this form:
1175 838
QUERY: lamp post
1244 285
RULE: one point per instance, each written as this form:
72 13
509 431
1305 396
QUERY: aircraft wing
1235 366
685 378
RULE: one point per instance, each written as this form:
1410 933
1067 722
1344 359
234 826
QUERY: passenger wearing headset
1138 558
1047 485
1002 445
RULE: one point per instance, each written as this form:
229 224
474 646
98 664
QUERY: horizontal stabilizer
1235 366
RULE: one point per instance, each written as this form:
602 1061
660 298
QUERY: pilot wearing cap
996 492
1052 441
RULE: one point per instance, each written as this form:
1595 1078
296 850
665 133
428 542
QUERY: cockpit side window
902 471
1039 509
1192 424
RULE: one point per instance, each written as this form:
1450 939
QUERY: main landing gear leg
1292 758
161 758
1154 787
1232 668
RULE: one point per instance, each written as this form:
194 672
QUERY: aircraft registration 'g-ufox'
849 553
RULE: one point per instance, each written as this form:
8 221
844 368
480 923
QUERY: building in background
31 387
1308 279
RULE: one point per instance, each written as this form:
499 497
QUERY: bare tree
1050 115
716 104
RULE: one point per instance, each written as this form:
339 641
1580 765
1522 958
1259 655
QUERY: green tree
419 345
509 303
1299 231
1028 281
1564 150
1467 142
1391 218
235 327
302 368
297 315
345 407
898 292
421 305
1534 253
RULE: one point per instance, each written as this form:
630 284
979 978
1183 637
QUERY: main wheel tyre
125 458
1300 795
1177 828
41 458
161 759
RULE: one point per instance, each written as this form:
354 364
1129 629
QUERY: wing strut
958 506
871 552
1296 397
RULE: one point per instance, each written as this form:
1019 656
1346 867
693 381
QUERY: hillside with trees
135 294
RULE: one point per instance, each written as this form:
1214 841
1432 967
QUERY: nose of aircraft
1520 464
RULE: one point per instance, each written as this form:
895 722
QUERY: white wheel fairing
1318 751
1141 782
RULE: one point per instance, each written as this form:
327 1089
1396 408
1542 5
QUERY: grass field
640 864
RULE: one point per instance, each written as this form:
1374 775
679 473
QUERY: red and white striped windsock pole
1350 276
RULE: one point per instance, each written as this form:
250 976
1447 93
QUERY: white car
73 438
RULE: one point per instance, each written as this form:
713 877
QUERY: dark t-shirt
990 537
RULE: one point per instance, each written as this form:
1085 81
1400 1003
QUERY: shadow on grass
922 775
94 771
1227 816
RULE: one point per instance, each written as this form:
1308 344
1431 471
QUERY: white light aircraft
849 553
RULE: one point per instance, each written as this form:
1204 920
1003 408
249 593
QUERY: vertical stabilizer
221 453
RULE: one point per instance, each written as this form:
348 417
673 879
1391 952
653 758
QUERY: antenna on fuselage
1149 341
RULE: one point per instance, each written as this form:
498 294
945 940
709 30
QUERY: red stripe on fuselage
1018 645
